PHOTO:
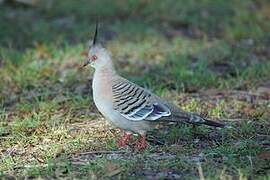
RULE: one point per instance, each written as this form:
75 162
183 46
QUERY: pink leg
125 139
141 143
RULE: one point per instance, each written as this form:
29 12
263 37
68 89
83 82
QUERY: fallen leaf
112 169
264 90
264 156
84 53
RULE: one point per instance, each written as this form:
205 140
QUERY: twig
251 163
200 172
101 152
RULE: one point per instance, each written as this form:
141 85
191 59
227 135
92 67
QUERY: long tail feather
195 119
213 123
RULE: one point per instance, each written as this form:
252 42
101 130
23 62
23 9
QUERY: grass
209 57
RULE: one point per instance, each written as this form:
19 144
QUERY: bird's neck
107 69
102 79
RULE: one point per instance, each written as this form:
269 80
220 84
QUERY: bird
129 106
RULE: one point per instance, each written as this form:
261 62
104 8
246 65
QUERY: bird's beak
87 61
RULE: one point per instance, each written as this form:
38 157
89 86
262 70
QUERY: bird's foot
124 140
141 143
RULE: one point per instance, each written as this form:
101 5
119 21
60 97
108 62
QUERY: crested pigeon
129 106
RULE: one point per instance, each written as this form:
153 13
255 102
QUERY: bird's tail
195 119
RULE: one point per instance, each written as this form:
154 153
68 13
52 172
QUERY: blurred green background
210 57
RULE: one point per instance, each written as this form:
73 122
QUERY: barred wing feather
135 103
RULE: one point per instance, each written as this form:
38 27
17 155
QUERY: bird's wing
135 103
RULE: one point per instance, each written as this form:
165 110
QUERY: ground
208 57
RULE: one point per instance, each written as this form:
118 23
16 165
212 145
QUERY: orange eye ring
94 58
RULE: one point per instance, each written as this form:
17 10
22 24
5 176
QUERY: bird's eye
94 57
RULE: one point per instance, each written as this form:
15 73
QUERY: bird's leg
125 139
141 143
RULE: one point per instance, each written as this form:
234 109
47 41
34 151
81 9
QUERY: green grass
209 57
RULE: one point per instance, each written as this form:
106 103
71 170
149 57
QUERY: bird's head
97 56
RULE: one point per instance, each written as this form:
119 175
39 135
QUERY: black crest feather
96 34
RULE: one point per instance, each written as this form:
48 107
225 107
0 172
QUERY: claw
124 140
141 143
